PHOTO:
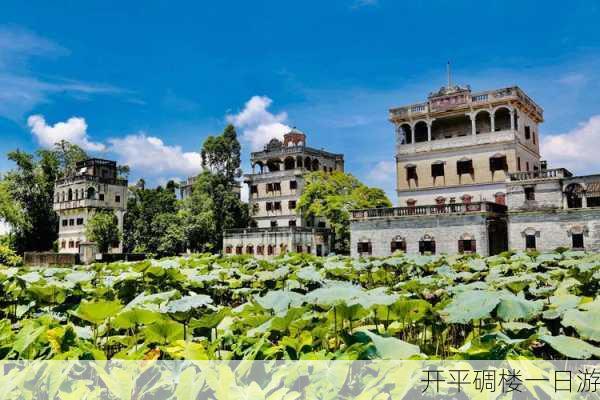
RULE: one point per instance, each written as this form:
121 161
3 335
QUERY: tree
145 222
30 185
103 229
10 210
331 196
221 154
212 207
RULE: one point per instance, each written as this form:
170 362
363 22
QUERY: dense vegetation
304 307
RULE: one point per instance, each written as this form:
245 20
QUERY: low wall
50 258
113 257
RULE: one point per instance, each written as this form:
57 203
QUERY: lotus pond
300 307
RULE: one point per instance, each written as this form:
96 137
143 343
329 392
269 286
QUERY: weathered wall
446 230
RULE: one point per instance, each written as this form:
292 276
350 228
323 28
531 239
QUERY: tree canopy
103 229
331 196
221 154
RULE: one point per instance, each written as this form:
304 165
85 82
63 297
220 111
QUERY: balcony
284 230
457 142
556 173
441 209
276 174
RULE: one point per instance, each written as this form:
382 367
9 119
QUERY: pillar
429 123
473 127
512 119
583 201
493 121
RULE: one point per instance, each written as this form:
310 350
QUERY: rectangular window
273 224
527 133
530 242
530 193
437 170
65 222
527 166
238 250
255 208
277 186
79 221
577 240
277 205
63 244
260 250
498 164
464 167
593 201
71 244
308 250
293 185
411 173
228 249
253 189
269 206
299 248
101 196
117 198
398 245
292 204
533 136
427 246
364 248
269 187
466 246
71 222
292 222
518 163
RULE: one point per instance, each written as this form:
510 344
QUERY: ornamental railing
91 178
272 230
540 174
456 208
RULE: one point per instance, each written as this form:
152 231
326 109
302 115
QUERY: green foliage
27 194
103 229
332 196
221 154
9 257
305 308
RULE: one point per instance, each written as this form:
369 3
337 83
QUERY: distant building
94 186
275 185
470 179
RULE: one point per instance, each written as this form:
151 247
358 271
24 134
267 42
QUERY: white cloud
364 3
383 175
150 156
258 124
74 130
576 149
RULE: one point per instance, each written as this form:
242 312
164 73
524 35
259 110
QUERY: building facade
470 179
275 185
94 186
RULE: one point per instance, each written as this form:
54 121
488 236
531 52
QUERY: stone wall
554 228
282 240
446 230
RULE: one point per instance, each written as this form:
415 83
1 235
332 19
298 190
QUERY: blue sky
146 82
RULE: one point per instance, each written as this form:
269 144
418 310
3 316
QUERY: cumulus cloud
74 130
257 123
151 156
575 150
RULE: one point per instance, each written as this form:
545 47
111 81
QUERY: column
493 121
473 127
412 134
429 123
583 200
512 119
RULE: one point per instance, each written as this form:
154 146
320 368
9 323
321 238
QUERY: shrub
9 257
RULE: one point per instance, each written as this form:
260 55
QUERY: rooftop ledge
442 209
471 100
457 141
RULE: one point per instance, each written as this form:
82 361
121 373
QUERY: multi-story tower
94 186
460 146
275 185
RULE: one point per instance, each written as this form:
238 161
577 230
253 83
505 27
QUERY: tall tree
30 185
103 229
212 207
221 154
331 196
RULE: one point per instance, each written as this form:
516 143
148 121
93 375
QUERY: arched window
70 195
91 193
289 163
228 249
315 165
404 134
421 134
574 194
307 163
483 122
249 249
270 250
260 250
502 119
398 244
238 249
